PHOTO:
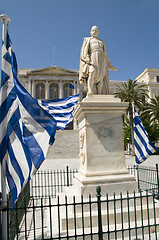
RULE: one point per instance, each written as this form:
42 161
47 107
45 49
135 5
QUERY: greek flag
71 86
61 109
26 130
143 147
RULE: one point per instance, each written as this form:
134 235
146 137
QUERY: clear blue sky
130 29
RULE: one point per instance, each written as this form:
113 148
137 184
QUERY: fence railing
49 183
147 178
45 186
129 216
14 217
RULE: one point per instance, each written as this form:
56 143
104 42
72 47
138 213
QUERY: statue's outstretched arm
109 64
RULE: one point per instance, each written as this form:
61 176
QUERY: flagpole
5 20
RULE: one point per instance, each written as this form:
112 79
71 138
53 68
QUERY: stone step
113 216
152 236
130 201
114 232
118 221
27 229
66 145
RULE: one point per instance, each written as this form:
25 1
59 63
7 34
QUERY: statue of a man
94 65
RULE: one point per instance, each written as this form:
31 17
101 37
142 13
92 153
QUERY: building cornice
146 71
49 71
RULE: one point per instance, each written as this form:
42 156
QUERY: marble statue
94 65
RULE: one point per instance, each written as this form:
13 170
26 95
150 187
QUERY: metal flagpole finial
4 18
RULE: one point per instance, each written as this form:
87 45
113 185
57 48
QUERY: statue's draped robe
94 50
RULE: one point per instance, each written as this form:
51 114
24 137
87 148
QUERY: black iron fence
14 217
34 218
147 178
49 183
129 216
43 185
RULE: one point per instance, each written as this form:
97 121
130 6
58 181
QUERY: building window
54 91
157 78
40 91
67 91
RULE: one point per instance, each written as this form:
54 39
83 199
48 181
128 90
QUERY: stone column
150 93
29 87
61 90
102 157
74 90
46 90
33 89
78 87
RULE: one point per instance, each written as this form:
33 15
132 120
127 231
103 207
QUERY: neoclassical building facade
50 83
56 82
150 77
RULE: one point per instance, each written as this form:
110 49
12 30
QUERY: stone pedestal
102 158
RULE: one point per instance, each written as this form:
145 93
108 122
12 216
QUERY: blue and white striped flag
71 86
143 147
61 109
26 129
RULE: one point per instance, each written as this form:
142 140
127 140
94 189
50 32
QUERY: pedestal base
116 183
100 119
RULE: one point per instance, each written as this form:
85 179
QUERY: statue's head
94 31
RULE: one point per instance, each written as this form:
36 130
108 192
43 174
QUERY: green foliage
127 131
151 110
152 129
131 91
150 119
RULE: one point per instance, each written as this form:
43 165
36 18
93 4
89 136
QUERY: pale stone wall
150 77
